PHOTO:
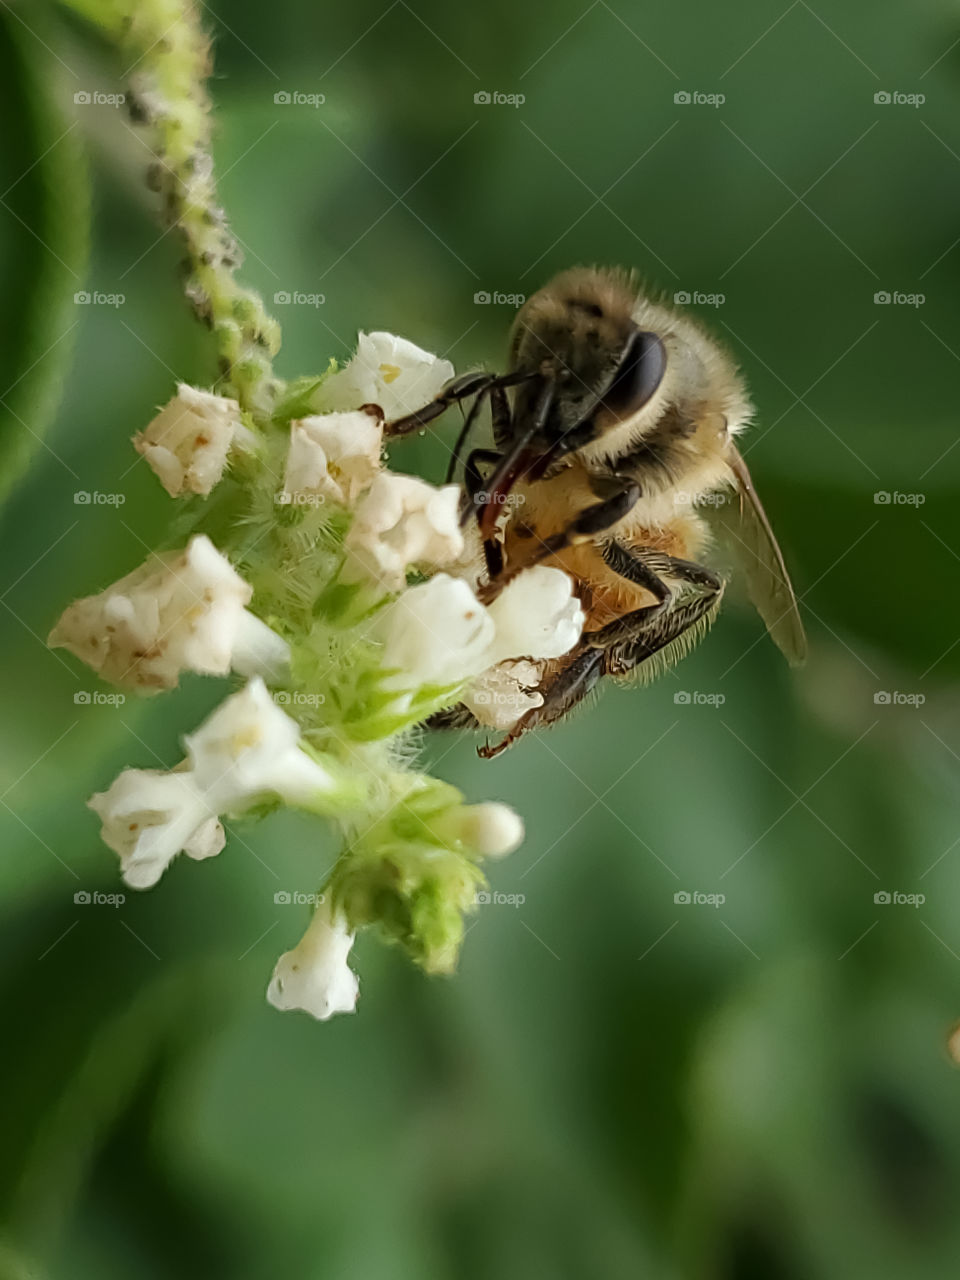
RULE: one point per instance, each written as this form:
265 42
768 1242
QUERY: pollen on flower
387 371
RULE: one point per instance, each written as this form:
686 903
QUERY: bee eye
638 376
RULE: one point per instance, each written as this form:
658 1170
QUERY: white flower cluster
188 611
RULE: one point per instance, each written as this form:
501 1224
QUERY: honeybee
615 430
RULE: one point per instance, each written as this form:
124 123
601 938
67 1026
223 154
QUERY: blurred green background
616 1083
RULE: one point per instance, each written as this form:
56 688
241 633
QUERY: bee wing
747 532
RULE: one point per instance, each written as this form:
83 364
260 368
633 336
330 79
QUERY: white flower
502 694
148 816
245 751
315 976
402 521
181 611
249 748
334 455
537 615
491 830
390 372
438 633
187 443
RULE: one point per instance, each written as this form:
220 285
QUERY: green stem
166 43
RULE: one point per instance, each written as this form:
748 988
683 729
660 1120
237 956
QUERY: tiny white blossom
245 751
180 611
492 830
187 443
333 455
502 694
390 372
250 748
436 633
149 816
402 521
537 615
315 976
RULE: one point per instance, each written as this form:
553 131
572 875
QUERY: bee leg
501 419
469 423
474 483
568 687
645 569
468 384
667 639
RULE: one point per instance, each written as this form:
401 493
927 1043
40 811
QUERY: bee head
625 370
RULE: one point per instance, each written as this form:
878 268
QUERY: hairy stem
170 56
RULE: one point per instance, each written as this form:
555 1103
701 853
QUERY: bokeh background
616 1083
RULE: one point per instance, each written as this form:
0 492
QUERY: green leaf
45 207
